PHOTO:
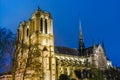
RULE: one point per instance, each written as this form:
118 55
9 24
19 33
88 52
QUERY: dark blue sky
100 21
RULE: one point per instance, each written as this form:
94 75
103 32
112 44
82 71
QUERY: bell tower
35 48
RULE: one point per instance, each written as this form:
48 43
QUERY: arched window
27 32
41 24
46 26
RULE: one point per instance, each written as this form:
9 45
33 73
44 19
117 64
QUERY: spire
98 41
103 47
102 44
81 41
80 28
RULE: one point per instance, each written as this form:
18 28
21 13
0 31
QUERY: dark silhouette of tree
91 74
73 79
112 73
7 42
64 77
98 74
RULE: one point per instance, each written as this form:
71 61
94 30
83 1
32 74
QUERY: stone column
51 27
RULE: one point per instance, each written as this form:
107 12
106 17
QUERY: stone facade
36 57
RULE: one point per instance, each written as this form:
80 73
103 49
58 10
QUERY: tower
34 55
81 41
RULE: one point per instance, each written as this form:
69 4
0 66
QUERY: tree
7 42
112 73
64 77
98 74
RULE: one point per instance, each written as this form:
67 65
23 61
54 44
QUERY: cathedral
37 58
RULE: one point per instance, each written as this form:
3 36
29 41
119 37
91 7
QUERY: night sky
100 21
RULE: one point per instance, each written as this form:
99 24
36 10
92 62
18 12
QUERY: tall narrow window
27 32
41 24
46 26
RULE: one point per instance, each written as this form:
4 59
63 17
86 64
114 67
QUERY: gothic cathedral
37 58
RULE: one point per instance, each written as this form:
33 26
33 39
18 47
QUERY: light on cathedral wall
109 63
44 41
96 55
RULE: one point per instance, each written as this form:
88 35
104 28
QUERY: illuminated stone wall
67 64
35 49
99 57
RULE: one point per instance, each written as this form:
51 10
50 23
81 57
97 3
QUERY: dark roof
88 51
66 50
